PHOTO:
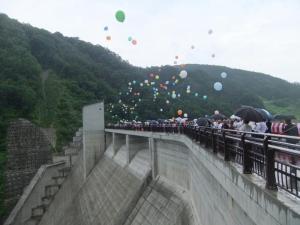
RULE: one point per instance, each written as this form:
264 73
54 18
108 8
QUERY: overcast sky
256 35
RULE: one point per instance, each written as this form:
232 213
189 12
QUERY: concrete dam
125 177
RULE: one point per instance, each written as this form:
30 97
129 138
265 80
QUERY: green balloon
120 16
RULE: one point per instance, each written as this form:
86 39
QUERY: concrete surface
33 193
109 193
93 136
190 185
219 192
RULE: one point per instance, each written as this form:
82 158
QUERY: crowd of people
219 121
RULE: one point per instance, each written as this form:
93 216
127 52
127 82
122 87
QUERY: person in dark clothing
291 130
269 126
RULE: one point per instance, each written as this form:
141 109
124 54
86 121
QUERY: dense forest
47 78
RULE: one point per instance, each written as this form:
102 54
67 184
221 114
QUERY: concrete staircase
72 150
71 153
50 191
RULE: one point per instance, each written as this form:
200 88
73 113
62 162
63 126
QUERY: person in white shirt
246 127
261 127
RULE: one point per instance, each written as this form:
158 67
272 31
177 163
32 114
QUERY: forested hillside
47 78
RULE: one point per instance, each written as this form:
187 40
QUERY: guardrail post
270 165
247 164
226 150
206 138
213 142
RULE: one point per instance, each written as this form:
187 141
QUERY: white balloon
173 95
218 86
224 75
183 74
185 115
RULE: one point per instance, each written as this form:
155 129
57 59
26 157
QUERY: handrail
274 160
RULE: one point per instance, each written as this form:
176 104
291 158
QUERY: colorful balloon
173 95
224 75
134 42
196 94
157 77
218 86
183 74
205 97
168 102
120 16
161 110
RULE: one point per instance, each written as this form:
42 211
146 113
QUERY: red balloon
134 42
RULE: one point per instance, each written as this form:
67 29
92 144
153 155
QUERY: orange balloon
179 112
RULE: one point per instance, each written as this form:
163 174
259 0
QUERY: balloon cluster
138 91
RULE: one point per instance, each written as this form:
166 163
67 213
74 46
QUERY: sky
256 35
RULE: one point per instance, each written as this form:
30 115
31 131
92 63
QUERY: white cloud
257 35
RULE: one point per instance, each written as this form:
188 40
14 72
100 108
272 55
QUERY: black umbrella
267 115
202 122
250 114
218 117
284 117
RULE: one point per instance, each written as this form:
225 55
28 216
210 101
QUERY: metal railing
273 157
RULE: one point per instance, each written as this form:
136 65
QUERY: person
245 127
261 127
225 125
291 130
269 127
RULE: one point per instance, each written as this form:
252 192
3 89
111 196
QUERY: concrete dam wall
126 177
165 179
